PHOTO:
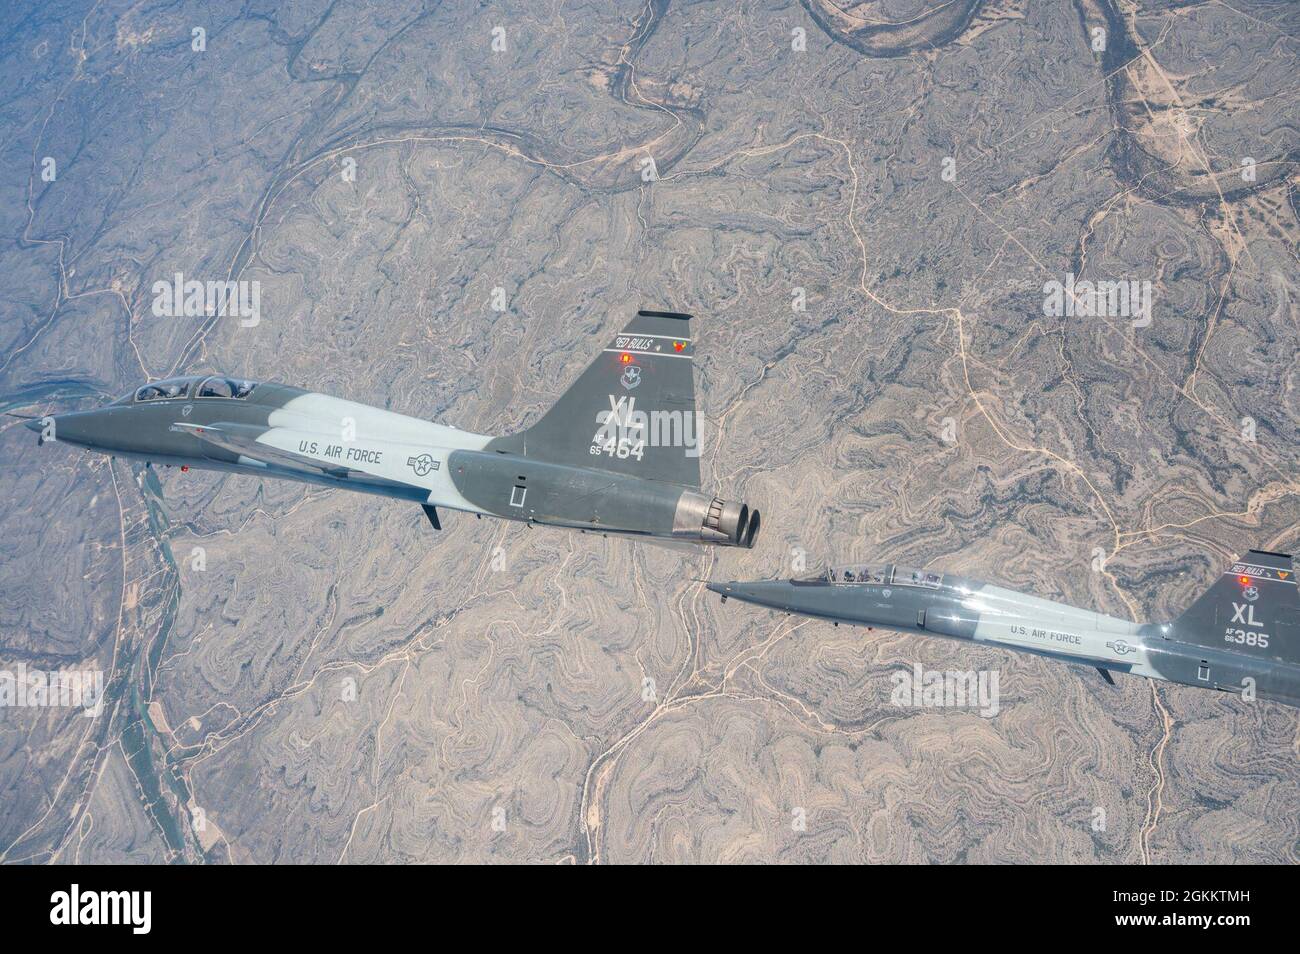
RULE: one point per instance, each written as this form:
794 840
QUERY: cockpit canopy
164 390
878 574
219 387
196 386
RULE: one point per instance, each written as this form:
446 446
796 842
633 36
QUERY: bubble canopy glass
194 386
877 574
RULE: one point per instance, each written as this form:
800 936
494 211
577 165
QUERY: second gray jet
1242 635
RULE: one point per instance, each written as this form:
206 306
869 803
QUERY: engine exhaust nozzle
714 520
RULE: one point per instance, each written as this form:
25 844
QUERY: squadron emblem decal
423 465
631 377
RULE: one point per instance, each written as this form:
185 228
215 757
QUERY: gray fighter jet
1242 635
617 453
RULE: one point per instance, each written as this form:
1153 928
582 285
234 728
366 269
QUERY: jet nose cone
772 593
83 428
33 425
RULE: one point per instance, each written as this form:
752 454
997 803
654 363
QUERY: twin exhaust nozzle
736 522
714 520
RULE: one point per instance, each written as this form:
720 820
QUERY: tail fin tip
679 315
1270 553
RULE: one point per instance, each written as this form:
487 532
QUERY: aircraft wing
242 439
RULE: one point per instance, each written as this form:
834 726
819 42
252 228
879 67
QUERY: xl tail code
1253 607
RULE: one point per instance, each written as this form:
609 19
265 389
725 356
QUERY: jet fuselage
1238 650
617 453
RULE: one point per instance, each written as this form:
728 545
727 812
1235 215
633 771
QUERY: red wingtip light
185 468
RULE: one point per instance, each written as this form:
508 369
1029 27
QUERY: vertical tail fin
632 411
1253 607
